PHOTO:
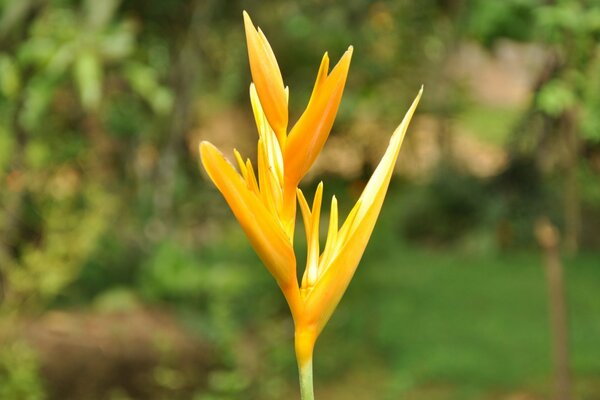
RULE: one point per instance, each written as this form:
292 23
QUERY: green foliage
493 124
144 81
511 18
445 210
465 320
555 98
19 375
71 229
103 207
6 147
225 385
89 79
565 18
57 77
171 272
569 30
10 80
590 125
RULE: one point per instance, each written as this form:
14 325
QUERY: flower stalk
306 380
265 202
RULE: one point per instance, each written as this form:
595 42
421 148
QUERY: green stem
306 381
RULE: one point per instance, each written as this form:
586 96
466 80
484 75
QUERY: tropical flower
264 201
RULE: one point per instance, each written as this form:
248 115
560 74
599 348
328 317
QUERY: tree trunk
548 238
572 200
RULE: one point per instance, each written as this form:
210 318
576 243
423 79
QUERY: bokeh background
123 275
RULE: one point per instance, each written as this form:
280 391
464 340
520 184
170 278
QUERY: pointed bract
265 202
267 78
266 236
321 76
328 291
308 136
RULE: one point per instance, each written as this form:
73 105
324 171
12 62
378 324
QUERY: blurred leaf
88 75
12 13
565 17
19 372
118 44
36 51
558 15
37 154
38 95
6 147
592 18
10 81
126 116
61 58
491 20
169 378
591 185
117 300
71 227
228 381
162 101
171 273
556 97
99 13
590 118
144 80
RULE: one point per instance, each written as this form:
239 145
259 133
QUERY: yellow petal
264 232
322 300
267 135
321 76
306 219
332 236
312 259
306 213
308 136
251 178
267 78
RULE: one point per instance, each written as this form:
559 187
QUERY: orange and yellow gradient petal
335 273
309 134
267 78
263 230
265 203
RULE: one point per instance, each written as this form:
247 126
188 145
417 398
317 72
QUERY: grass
466 325
492 124
462 322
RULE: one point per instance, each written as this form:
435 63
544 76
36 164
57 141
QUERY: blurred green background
123 275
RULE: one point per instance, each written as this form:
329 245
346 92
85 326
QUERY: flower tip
416 101
349 51
248 25
247 19
347 57
204 148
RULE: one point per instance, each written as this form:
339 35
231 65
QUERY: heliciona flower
264 201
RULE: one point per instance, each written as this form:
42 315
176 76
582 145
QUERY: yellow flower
264 203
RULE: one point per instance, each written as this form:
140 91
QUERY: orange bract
265 202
